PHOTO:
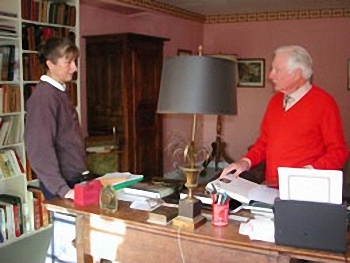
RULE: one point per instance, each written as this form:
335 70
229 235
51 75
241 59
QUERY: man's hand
237 168
70 194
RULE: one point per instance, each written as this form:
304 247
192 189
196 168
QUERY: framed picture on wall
348 74
251 72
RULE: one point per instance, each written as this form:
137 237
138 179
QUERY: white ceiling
221 7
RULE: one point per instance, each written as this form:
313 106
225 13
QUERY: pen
219 199
224 198
214 189
213 197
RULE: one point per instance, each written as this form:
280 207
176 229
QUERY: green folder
127 183
129 179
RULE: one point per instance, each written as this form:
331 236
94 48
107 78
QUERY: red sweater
309 133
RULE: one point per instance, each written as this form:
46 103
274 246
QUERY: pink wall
183 34
326 39
328 43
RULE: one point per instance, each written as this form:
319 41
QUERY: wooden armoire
122 84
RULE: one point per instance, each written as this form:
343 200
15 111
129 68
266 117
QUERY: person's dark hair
56 48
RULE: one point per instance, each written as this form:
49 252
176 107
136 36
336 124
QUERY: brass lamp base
190 207
187 222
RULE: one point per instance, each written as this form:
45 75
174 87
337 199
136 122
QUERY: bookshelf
24 27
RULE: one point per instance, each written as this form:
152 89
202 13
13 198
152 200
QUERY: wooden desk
125 236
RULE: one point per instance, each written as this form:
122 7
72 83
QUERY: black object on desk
310 225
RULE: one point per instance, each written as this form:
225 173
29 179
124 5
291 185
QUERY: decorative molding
153 5
274 16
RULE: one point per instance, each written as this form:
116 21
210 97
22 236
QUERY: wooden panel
128 244
125 236
104 89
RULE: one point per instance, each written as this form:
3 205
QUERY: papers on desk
243 190
259 229
142 202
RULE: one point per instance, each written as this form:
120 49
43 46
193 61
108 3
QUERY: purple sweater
53 138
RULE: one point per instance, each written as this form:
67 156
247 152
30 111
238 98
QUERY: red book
16 215
37 214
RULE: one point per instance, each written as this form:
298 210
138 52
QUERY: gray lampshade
197 85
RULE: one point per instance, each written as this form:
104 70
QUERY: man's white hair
298 57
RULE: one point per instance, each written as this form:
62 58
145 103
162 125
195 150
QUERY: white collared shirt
297 95
53 82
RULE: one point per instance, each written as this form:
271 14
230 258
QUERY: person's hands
70 194
239 167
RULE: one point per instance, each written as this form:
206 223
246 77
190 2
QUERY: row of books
18 217
41 216
10 98
11 217
10 130
32 69
34 36
7 62
47 11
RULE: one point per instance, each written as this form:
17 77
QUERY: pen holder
220 214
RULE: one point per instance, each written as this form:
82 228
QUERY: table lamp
195 85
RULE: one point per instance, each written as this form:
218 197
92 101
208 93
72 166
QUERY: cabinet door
147 142
123 78
103 77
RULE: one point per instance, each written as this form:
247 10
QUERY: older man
302 125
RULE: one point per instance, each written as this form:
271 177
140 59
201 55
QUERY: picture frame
348 74
184 52
251 72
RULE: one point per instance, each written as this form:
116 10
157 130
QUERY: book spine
28 213
17 166
8 163
17 221
10 229
37 214
4 167
3 228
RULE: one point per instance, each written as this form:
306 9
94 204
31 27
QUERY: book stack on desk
163 215
150 190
